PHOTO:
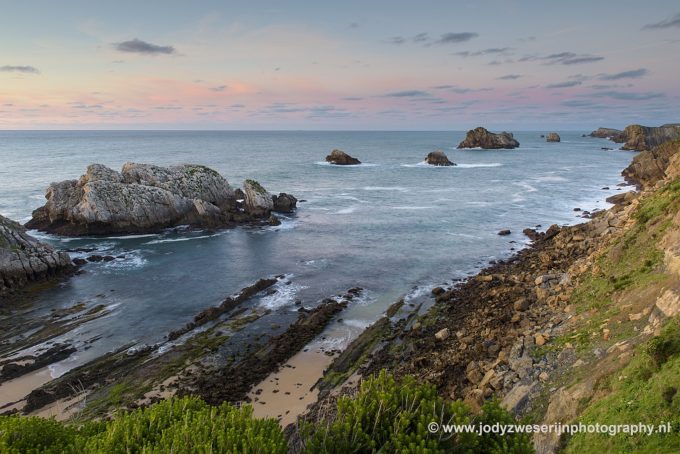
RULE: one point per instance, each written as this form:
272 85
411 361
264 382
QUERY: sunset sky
426 65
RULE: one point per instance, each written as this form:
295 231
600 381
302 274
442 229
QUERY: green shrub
389 416
177 426
27 435
189 425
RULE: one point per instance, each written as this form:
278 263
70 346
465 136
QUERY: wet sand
14 391
285 394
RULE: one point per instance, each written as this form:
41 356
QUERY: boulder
339 157
144 198
284 203
23 259
258 202
438 158
553 137
481 138
641 138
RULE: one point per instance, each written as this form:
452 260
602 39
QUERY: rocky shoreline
25 260
518 330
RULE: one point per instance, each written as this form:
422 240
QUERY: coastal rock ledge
145 198
481 138
23 259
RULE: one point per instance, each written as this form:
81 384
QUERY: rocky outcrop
284 203
23 259
438 158
146 198
553 137
607 133
650 166
641 138
339 157
481 138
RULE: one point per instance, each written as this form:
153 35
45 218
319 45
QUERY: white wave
414 208
285 295
474 166
130 237
464 235
363 164
189 238
550 179
355 323
132 260
424 164
478 203
385 188
346 210
286 224
526 186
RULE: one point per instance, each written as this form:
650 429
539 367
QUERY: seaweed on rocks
232 382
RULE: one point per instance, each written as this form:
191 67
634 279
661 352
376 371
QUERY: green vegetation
186 425
645 392
390 416
257 187
632 264
385 416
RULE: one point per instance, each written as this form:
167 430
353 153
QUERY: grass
645 391
630 266
257 187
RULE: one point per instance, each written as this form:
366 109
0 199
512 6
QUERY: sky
350 65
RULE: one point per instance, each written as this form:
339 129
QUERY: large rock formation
553 137
607 133
481 138
653 165
438 158
641 138
339 157
145 198
23 259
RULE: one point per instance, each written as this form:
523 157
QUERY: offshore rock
145 198
438 158
481 138
553 137
23 259
339 157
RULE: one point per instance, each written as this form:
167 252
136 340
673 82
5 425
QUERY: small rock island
438 158
340 158
553 137
482 138
144 198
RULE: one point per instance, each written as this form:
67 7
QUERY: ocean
393 225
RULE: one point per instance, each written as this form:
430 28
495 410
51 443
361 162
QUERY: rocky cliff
640 138
145 198
23 259
653 165
481 138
